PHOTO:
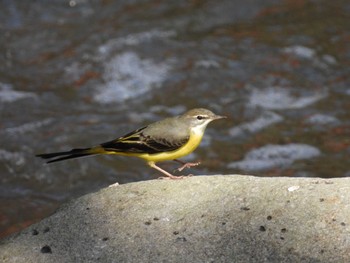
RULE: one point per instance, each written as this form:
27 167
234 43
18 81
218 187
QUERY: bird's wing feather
139 142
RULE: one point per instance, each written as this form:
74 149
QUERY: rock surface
229 218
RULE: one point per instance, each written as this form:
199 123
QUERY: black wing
138 142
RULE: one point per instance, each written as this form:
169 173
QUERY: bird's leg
186 165
170 176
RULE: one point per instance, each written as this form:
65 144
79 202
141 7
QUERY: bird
164 140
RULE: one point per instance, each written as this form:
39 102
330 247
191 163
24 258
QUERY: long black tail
75 153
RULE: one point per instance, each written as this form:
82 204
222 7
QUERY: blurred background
81 72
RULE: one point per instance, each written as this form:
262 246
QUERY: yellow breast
190 146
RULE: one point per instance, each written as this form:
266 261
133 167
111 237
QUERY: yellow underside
189 147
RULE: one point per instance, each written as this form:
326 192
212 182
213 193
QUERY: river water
79 73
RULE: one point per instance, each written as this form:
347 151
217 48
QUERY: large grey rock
199 219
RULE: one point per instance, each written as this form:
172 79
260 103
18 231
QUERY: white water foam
263 121
272 156
7 94
279 98
128 76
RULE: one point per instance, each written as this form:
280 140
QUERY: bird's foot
187 165
168 175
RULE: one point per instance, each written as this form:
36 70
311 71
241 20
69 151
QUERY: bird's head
200 118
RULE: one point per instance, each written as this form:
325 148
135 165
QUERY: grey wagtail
168 139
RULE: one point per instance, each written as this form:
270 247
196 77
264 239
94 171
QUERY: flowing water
81 72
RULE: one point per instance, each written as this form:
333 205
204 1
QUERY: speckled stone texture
231 218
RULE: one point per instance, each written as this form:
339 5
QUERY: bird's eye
199 117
